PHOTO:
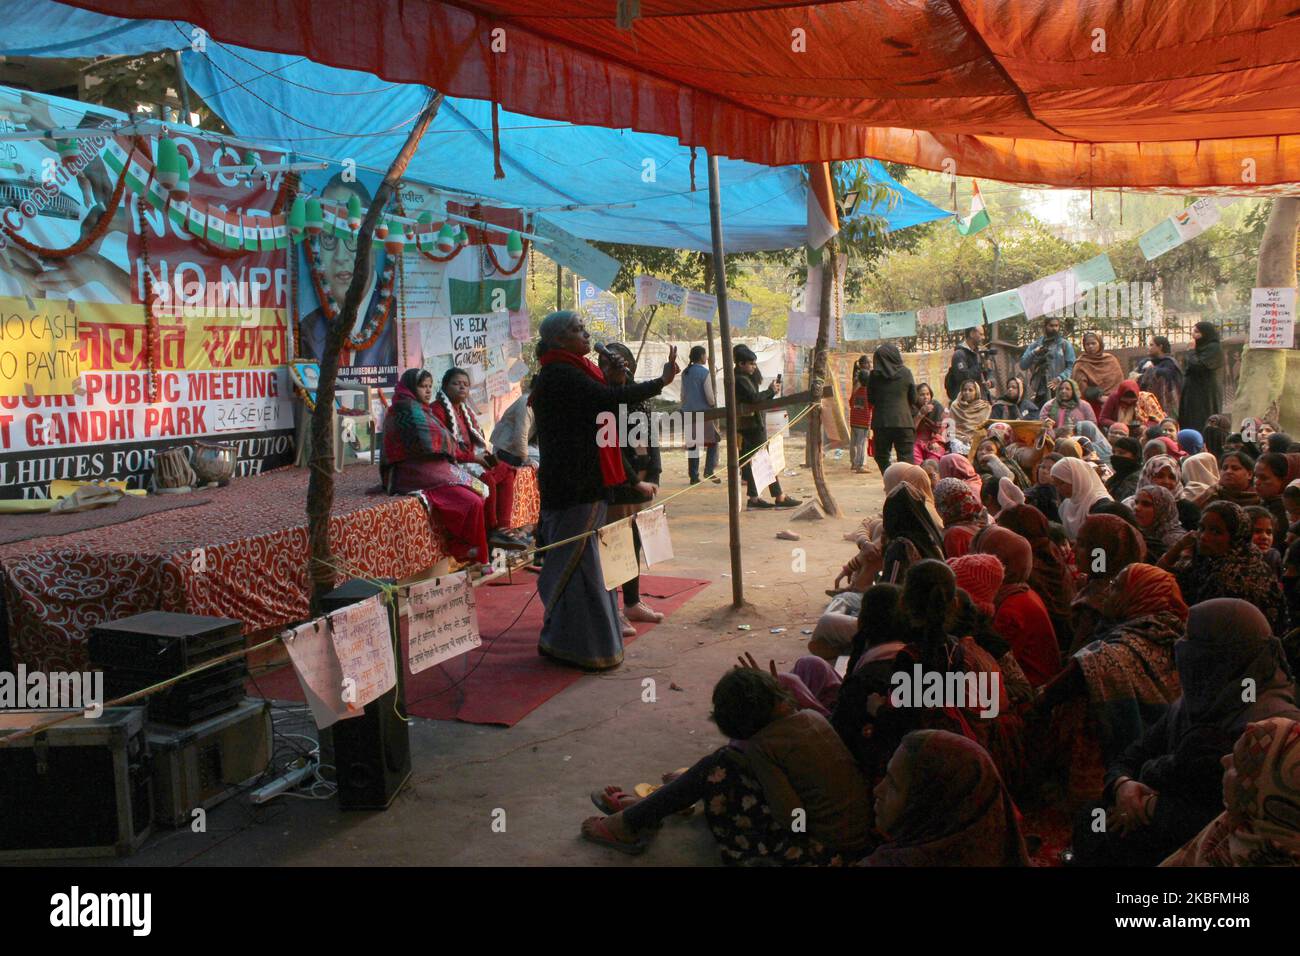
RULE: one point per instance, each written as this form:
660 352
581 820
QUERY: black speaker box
372 753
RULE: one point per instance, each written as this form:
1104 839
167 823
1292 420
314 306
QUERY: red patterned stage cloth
242 555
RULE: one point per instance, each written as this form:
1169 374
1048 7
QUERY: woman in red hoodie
1021 616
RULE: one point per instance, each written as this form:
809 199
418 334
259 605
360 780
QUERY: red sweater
1023 621
859 408
464 449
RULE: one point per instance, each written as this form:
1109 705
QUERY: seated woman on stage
417 456
779 760
452 409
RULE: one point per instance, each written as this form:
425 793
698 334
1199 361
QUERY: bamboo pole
729 387
819 377
320 484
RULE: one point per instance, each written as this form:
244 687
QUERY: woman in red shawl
959 466
1021 617
1130 406
1050 578
417 456
942 803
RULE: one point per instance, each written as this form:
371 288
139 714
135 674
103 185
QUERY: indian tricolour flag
979 216
472 286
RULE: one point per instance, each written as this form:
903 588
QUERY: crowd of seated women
1121 594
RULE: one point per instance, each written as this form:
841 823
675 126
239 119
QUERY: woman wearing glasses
338 256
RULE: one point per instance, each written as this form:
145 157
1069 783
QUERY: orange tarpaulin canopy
1073 93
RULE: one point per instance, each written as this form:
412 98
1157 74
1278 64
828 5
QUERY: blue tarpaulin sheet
340 115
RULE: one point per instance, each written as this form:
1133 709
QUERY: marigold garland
150 319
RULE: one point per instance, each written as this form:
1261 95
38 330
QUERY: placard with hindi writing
443 621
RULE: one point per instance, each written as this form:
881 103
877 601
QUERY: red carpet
505 679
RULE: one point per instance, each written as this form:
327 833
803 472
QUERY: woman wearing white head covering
1200 474
1009 495
1080 488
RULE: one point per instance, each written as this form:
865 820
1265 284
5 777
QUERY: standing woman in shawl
1127 677
576 473
1203 375
1260 823
928 416
1049 577
1080 488
1020 615
1236 482
942 803
1107 544
417 455
1068 406
910 535
963 515
891 392
1096 367
969 411
1014 405
1219 561
1165 787
451 407
1157 518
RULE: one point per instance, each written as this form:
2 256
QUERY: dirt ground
535 777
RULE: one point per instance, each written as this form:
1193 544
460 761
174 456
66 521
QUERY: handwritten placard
861 327
519 326
700 305
584 259
1160 239
469 339
761 468
617 553
776 452
311 651
39 351
364 644
738 313
435 336
897 325
801 328
932 317
443 621
965 315
1272 318
647 291
1048 294
656 544
1002 305
498 329
669 294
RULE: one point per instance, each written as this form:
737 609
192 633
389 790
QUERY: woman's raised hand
670 367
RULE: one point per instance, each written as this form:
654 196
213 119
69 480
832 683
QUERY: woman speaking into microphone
575 474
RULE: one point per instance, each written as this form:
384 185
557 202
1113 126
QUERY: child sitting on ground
784 790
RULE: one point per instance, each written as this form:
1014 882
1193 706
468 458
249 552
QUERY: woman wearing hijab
1273 472
1164 471
942 803
1050 577
1220 561
1157 518
1260 823
911 534
931 443
1165 787
1107 544
862 569
1203 378
1116 687
891 392
1014 405
1236 482
1042 495
959 466
979 579
1080 488
417 455
1096 367
1068 406
963 515
1096 440
969 411
1200 475
1190 441
1217 429
991 458
1020 615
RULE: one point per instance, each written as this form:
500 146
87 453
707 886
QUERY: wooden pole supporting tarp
320 483
729 387
825 306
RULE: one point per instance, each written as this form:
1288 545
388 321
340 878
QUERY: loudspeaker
372 753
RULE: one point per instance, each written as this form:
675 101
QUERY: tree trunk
1261 383
320 485
829 266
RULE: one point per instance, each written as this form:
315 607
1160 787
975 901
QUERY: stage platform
239 551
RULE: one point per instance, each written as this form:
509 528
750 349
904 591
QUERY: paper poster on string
647 291
443 621
1088 275
1272 318
965 315
1002 305
776 453
933 317
315 661
897 325
364 644
700 305
1157 241
861 327
738 313
656 544
1046 295
670 294
760 467
570 251
617 553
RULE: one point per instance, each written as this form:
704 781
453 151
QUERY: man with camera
1049 359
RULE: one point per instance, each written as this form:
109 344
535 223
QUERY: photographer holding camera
1049 359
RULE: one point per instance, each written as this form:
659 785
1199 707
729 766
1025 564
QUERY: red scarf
611 458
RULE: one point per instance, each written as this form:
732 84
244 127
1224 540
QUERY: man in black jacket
752 428
966 365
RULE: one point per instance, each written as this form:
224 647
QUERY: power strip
303 768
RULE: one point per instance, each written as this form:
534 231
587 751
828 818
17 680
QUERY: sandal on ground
788 502
761 503
596 830
612 799
640 612
506 542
